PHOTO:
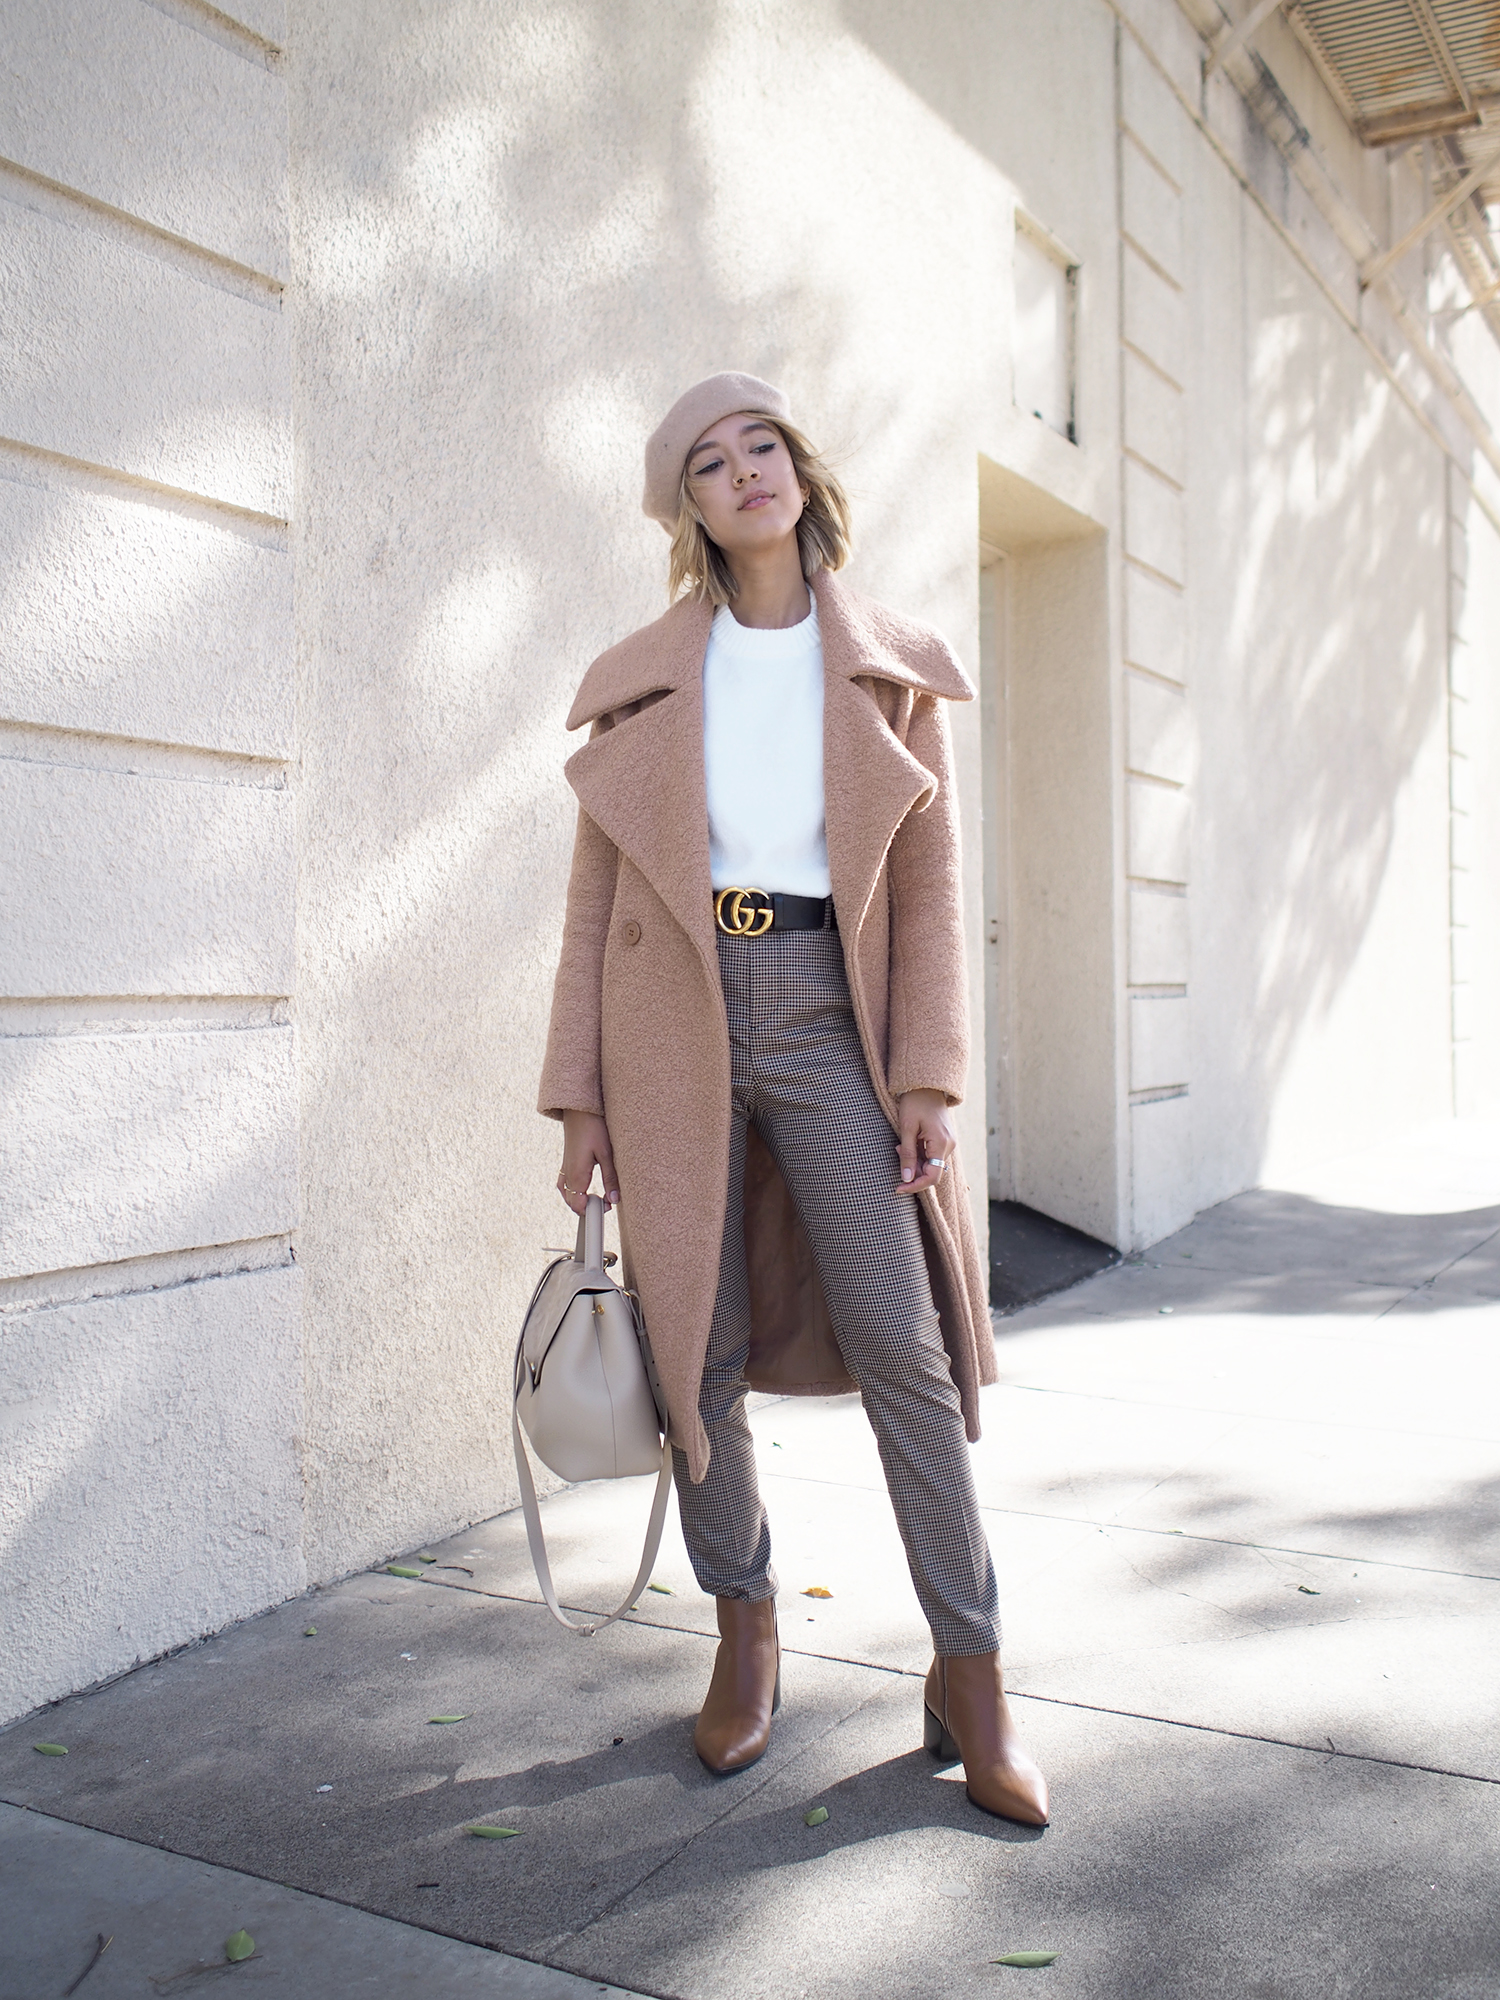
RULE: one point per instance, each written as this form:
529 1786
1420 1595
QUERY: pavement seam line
730 1809
1246 1416
1021 1694
1175 1534
318 1896
1324 1749
1427 1283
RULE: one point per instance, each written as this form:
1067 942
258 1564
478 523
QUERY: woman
758 1033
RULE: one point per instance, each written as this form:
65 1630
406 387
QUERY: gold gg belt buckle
744 912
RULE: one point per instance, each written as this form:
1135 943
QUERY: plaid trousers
798 1072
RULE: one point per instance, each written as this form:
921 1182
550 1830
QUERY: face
741 475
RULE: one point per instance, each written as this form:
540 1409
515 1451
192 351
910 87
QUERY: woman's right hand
586 1146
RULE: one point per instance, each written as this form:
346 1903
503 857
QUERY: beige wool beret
686 421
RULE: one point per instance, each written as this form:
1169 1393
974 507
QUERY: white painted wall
391 299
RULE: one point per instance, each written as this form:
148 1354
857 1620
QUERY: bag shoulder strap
538 1543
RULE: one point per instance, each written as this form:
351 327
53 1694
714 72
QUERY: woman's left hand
927 1139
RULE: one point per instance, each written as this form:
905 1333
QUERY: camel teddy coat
638 1031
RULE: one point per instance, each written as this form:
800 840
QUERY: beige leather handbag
586 1395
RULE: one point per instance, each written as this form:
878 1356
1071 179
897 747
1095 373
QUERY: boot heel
936 1738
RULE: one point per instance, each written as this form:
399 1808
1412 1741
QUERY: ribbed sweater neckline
759 642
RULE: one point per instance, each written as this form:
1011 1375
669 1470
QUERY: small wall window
1046 285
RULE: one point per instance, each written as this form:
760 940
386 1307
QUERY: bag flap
559 1287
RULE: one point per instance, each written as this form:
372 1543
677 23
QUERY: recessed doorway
1052 1028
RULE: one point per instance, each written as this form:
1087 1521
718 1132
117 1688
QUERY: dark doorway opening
1032 1255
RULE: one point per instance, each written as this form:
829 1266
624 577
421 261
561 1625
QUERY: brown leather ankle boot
734 1728
967 1717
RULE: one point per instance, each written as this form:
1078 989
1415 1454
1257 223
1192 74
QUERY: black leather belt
751 912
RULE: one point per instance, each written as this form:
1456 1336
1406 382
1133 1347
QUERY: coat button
632 932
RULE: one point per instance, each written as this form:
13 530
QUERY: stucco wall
150 1340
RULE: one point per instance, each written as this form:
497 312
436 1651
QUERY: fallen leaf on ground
239 1945
661 1589
817 1590
426 1559
1026 1958
494 1832
311 1632
447 1718
1308 1591
816 1817
50 1749
401 1569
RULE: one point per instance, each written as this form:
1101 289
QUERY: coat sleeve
571 1069
929 979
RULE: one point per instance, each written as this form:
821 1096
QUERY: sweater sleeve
571 1069
929 1000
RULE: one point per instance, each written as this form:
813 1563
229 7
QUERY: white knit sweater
763 756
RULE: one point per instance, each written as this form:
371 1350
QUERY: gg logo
737 915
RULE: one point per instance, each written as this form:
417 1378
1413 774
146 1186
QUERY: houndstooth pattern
798 1072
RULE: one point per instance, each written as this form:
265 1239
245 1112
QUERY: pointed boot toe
966 1716
734 1728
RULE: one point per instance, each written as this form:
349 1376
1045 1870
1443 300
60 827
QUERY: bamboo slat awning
1405 69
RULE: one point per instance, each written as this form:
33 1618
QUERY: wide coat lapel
641 781
871 781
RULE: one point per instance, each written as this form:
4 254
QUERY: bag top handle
589 1249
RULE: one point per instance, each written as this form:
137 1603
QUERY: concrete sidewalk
1242 1494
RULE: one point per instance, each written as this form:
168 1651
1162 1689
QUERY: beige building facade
332 330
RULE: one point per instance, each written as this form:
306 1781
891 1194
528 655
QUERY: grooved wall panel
1152 210
124 620
125 104
1155 626
116 1146
191 1396
1460 662
1151 112
1154 318
190 893
1160 945
1161 1151
1159 828
1159 730
1154 425
1160 1042
108 355
1154 529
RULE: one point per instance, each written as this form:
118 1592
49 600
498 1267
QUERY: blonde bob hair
699 566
